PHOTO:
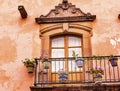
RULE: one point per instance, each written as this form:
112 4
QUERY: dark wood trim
57 47
66 47
65 19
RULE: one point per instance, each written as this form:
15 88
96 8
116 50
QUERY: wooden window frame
66 47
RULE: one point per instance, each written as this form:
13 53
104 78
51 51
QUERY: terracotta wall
19 38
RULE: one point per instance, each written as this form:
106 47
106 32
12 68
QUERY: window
63 46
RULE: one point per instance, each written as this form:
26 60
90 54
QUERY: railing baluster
39 71
75 74
71 69
88 67
114 73
35 74
109 72
118 73
55 70
105 69
84 72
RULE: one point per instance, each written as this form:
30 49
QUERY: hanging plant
113 60
79 61
46 63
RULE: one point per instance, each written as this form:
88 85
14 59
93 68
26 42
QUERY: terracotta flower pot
30 69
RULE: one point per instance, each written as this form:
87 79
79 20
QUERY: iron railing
76 75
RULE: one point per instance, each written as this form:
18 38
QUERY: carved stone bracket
65 12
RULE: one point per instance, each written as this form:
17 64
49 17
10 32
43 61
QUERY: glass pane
57 53
74 41
73 66
77 51
57 65
58 42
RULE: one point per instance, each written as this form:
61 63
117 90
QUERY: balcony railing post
35 72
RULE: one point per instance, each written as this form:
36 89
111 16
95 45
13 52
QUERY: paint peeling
115 42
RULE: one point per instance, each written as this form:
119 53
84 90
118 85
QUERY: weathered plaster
7 50
3 77
19 38
13 73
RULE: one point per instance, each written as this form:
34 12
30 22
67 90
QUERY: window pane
57 53
58 42
77 51
60 52
73 66
74 41
57 65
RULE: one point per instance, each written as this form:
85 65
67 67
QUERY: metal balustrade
75 74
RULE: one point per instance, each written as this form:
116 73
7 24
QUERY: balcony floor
78 87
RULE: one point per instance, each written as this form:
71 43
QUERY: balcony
79 78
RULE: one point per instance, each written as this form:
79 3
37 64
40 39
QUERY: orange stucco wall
19 38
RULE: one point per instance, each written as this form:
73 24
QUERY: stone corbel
22 11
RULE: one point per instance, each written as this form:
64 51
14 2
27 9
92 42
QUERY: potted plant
29 63
79 61
97 73
63 76
113 60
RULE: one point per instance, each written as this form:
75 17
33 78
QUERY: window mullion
66 53
66 46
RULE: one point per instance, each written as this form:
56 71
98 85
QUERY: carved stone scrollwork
65 1
56 10
65 12
74 10
65 5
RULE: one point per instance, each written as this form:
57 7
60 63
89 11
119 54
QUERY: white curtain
74 41
58 53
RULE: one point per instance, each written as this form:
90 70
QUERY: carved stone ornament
65 12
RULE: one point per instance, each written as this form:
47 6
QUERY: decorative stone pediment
65 12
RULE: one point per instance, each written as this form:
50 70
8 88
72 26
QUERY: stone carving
65 12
